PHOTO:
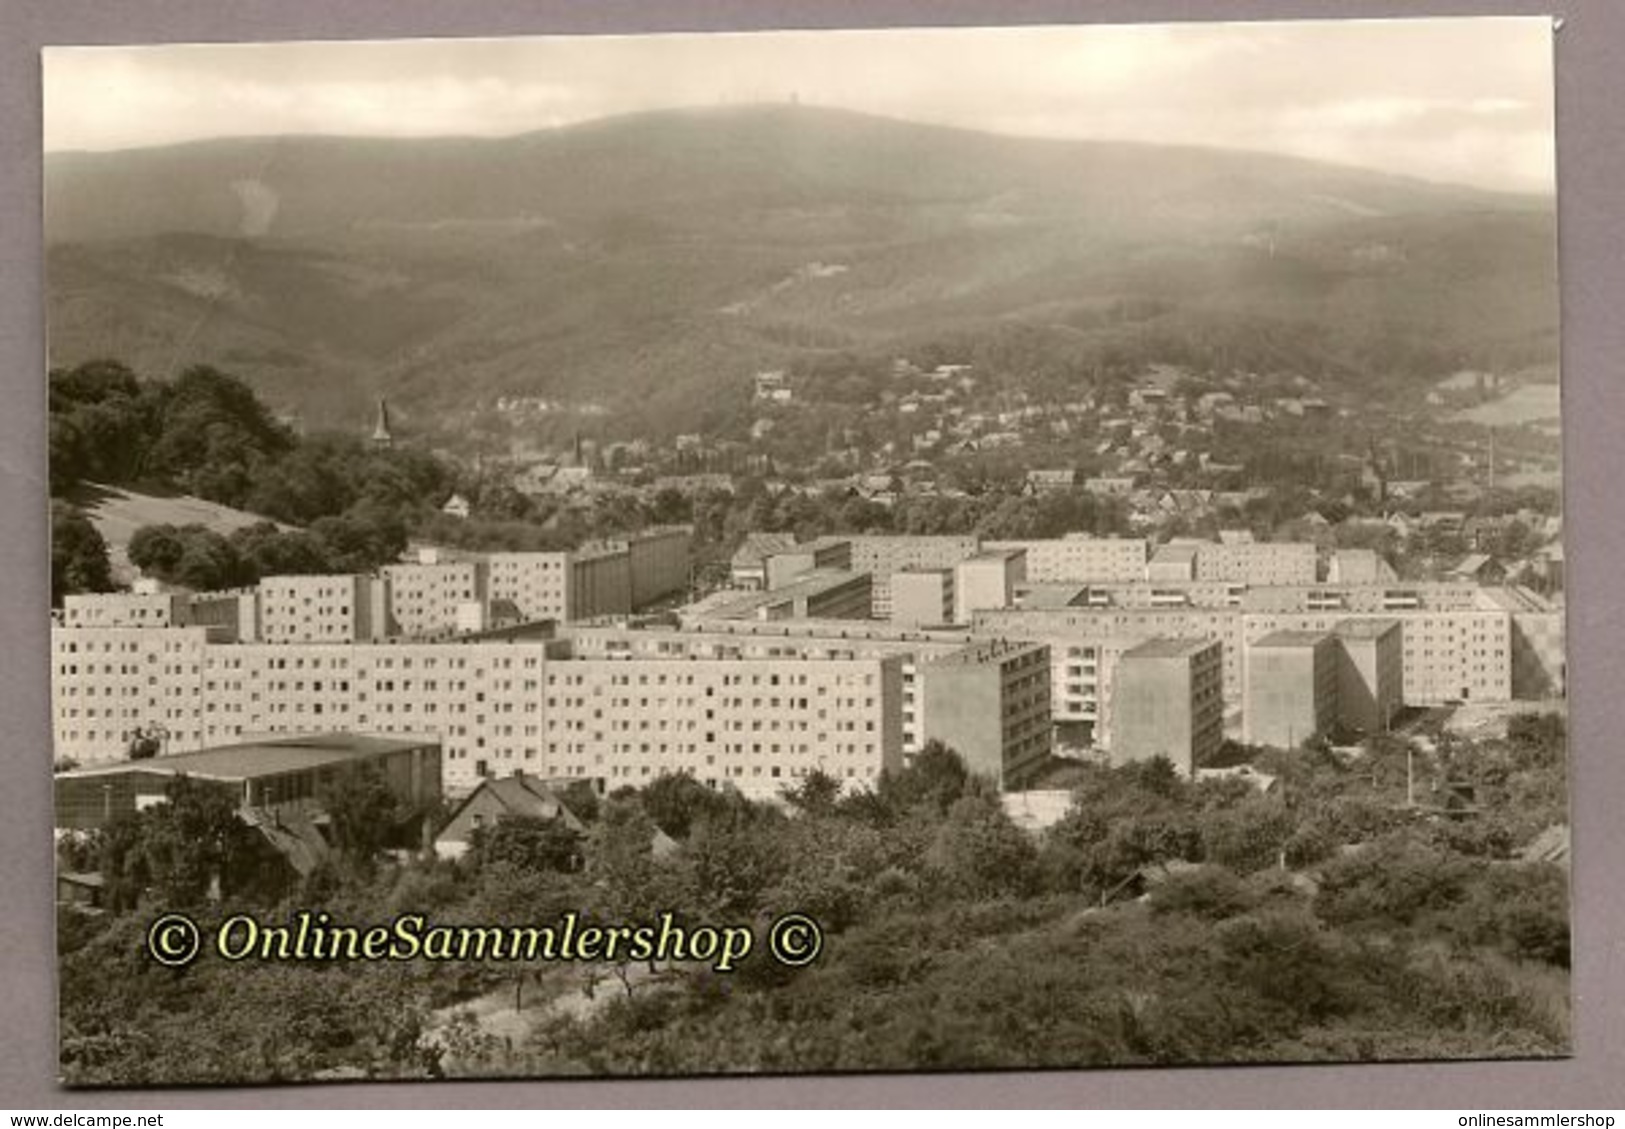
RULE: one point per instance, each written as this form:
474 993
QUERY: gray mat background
1591 185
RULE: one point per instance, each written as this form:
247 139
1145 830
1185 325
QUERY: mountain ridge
622 258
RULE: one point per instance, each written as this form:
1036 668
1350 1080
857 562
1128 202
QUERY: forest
1161 921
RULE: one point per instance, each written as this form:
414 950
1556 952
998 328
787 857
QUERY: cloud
1455 99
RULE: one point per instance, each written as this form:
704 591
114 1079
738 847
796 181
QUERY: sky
1467 101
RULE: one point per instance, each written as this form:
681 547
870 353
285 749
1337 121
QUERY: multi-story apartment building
435 597
758 725
990 703
112 684
882 555
813 638
922 597
1257 562
125 609
987 580
1291 692
538 585
1167 701
1080 558
754 721
1447 655
1370 673
323 609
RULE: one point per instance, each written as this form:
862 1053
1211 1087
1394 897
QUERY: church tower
381 435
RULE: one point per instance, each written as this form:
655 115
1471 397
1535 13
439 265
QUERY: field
117 514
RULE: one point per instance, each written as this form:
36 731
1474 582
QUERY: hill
117 513
656 260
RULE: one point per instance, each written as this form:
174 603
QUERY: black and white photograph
806 552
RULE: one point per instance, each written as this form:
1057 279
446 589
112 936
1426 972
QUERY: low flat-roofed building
748 566
821 594
785 566
1291 687
1167 700
278 775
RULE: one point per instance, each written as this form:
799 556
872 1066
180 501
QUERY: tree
366 815
677 802
979 853
79 561
815 795
192 556
527 842
186 849
937 776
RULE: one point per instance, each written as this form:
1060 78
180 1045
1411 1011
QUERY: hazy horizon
1464 101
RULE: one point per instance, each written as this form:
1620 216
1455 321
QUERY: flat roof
1052 595
1365 628
1167 648
1293 639
986 650
261 758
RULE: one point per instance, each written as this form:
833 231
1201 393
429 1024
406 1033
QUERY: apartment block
1291 692
990 703
1370 673
759 725
1080 558
812 638
497 707
109 684
428 598
1447 655
1168 701
1258 562
922 597
987 580
323 609
883 555
1175 561
125 609
1539 654
536 584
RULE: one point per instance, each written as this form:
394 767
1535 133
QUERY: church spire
381 435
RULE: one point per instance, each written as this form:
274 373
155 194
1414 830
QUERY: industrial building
279 778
